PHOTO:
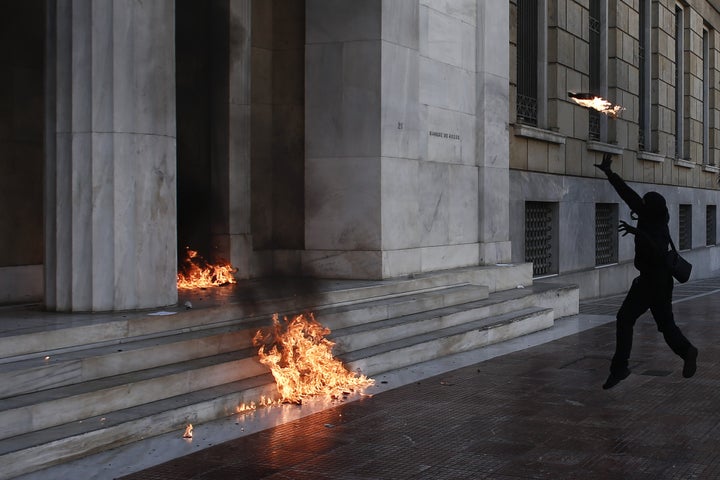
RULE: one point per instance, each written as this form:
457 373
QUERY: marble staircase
77 384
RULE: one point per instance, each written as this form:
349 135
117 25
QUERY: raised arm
629 196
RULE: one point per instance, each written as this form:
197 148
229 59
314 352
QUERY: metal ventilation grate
710 225
685 227
605 234
538 237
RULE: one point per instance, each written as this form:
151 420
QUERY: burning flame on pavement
196 272
188 431
597 103
301 360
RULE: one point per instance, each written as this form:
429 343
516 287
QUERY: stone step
41 332
93 362
63 442
48 408
372 333
156 384
40 449
459 338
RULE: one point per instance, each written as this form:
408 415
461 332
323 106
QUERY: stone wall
554 161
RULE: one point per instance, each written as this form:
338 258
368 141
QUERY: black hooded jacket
653 239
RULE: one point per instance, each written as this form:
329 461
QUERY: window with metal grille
685 227
595 66
540 238
606 251
527 58
710 225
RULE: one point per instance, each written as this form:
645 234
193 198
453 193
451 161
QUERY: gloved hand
606 163
625 228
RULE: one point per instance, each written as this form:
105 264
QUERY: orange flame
196 272
597 103
188 431
301 360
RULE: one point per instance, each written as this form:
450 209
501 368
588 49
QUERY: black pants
653 291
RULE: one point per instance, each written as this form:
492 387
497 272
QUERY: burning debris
188 431
590 100
196 272
301 360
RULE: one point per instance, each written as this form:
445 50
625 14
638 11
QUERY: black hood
656 208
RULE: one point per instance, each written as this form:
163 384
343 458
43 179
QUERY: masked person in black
653 287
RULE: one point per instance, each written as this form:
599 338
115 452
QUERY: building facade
359 139
658 59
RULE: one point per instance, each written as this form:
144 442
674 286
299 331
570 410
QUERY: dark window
605 233
685 227
679 83
527 58
644 55
706 122
595 73
540 237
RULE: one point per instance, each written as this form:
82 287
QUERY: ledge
651 157
538 134
603 147
681 162
710 168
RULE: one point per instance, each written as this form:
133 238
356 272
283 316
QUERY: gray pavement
530 408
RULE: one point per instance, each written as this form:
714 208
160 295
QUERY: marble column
110 191
230 144
493 146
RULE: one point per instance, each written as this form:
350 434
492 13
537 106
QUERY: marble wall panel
446 86
449 136
494 215
449 256
400 23
464 10
400 117
343 99
401 262
576 235
463 198
494 24
342 203
334 21
447 39
432 204
401 203
492 113
343 264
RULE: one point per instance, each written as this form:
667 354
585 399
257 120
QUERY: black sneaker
690 362
615 378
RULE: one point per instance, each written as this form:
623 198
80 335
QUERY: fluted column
110 229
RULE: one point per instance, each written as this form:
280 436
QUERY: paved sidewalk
537 413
